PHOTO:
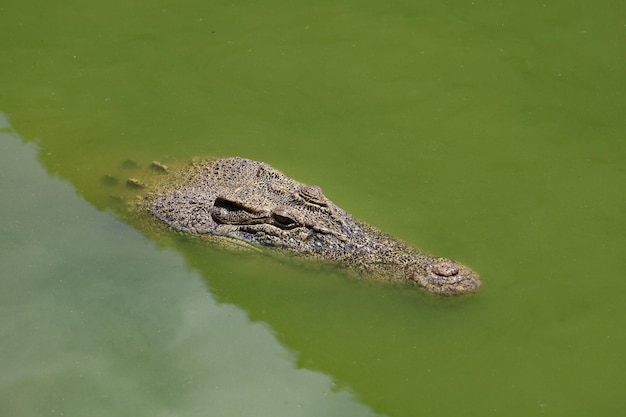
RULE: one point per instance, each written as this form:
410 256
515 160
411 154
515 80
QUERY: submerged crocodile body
252 202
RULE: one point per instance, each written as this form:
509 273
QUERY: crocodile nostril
445 268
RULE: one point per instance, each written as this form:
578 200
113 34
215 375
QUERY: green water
489 132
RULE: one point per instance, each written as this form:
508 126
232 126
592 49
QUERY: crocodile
249 201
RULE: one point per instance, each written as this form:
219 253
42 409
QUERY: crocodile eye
228 204
283 218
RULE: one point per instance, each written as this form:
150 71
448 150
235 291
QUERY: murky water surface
489 132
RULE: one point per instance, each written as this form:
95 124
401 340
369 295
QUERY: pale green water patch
99 321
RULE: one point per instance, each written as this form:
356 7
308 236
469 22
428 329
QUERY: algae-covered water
489 132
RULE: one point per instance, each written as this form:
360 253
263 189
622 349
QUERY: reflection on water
99 321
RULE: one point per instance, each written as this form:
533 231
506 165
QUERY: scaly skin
252 202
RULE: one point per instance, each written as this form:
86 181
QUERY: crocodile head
251 201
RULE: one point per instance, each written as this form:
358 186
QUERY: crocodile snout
445 277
